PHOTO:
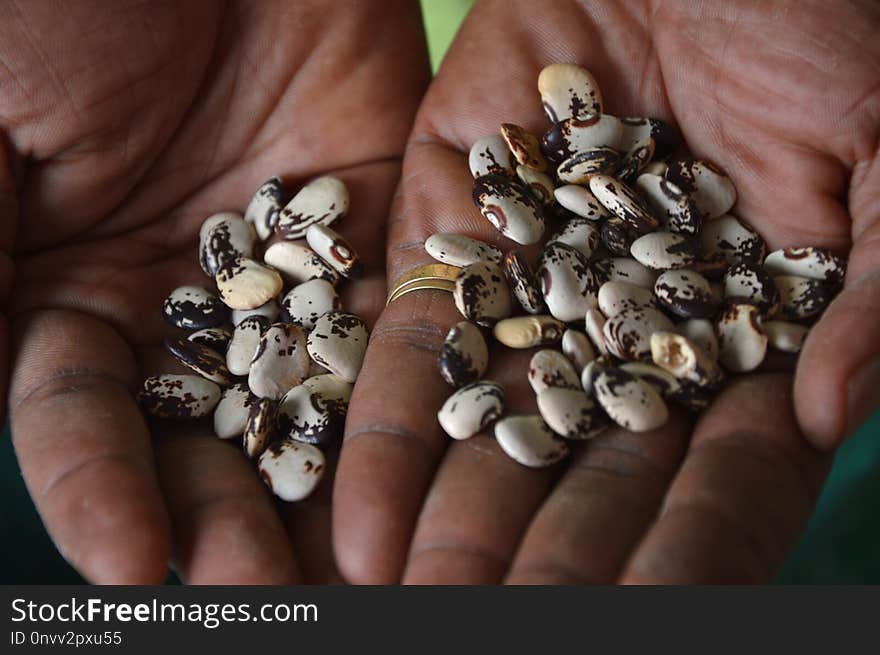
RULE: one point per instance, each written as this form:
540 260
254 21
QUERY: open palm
126 125
785 97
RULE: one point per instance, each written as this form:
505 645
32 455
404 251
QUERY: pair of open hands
125 124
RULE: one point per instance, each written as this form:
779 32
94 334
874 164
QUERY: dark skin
125 126
117 147
785 97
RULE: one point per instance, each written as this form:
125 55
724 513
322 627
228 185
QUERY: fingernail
863 395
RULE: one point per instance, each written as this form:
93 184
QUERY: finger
393 442
601 507
747 486
480 500
837 385
84 449
226 528
474 515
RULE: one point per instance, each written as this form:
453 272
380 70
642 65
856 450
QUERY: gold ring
440 277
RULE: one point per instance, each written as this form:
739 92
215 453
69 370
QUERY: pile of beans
274 356
651 289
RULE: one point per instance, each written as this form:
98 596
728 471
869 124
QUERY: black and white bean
338 342
569 282
194 308
528 331
510 207
322 201
481 293
178 396
459 250
471 409
280 361
528 440
464 355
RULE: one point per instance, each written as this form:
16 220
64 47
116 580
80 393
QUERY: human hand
126 125
784 97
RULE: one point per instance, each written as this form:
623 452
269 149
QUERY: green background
840 545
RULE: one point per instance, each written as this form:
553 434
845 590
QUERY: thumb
837 385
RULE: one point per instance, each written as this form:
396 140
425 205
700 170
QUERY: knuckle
416 336
65 384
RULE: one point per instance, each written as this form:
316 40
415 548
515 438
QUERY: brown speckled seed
669 203
178 396
322 201
742 342
244 343
332 247
231 413
226 239
263 209
812 262
490 156
194 308
569 281
307 302
524 147
308 415
580 168
616 296
523 282
247 284
298 263
628 333
260 429
569 90
571 413
539 184
751 283
280 362
577 347
481 293
459 250
205 361
709 186
579 233
338 342
801 297
529 441
661 251
528 331
471 409
623 202
573 138
686 293
733 239
550 368
631 402
510 207
636 129
580 201
636 158
464 355
215 338
292 469
684 359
